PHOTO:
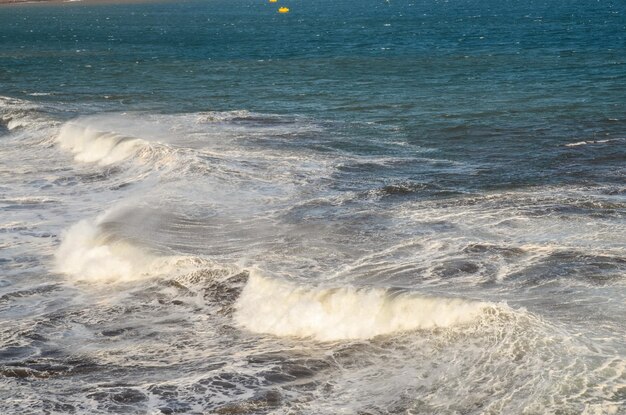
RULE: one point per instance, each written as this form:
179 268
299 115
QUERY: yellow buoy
283 10
273 1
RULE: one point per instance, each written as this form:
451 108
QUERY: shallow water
357 207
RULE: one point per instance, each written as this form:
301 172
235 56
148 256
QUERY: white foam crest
17 113
17 123
92 145
221 116
15 103
589 142
283 308
87 254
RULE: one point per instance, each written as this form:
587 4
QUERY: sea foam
93 145
89 254
284 308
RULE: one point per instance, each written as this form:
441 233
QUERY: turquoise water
463 76
355 207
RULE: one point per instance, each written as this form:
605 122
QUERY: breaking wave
88 253
92 145
222 116
17 114
287 309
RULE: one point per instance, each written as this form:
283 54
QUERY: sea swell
226 262
91 253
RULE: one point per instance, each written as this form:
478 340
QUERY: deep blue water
315 160
503 84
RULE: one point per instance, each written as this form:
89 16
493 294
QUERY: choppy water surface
358 207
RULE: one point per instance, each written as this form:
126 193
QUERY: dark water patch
102 175
31 339
323 207
574 265
354 355
35 337
591 208
128 396
43 289
294 372
541 202
164 391
121 186
407 189
16 353
367 167
245 118
26 204
592 161
39 234
13 228
201 277
116 331
504 251
620 395
99 176
58 407
120 400
614 191
226 292
22 373
228 384
261 403
219 287
66 181
289 367
45 368
262 121
175 408
440 225
169 395
26 259
456 268
82 366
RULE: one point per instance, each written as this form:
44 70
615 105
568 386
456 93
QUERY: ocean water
358 207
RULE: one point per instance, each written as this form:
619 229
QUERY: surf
89 253
285 308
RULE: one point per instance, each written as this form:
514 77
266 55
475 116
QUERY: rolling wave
18 113
113 138
91 254
287 309
91 145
